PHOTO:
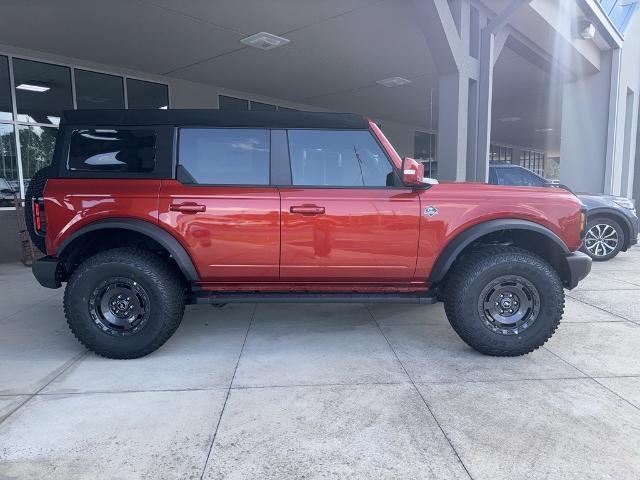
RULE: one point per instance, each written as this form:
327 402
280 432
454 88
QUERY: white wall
599 142
624 156
585 113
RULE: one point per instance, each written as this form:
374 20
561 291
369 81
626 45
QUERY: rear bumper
45 270
579 267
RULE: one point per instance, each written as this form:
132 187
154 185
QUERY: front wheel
504 301
604 239
124 303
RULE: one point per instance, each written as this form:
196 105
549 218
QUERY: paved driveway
323 391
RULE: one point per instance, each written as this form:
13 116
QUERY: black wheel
124 303
604 239
36 190
504 301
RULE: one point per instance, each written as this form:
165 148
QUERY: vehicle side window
338 158
517 177
108 150
224 156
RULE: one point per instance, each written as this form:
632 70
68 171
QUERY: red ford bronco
142 212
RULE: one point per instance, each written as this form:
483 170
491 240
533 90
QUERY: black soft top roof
214 118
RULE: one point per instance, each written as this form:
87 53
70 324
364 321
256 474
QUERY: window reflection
98 90
43 91
36 149
5 91
141 94
9 181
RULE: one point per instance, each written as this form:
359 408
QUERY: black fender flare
455 247
164 238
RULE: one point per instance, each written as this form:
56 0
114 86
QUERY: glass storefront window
500 154
8 159
31 103
98 90
232 103
6 110
36 149
43 90
424 149
262 106
141 94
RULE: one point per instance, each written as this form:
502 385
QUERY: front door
221 207
346 219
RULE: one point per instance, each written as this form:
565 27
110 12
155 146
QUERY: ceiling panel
251 16
523 90
383 102
383 40
283 72
118 32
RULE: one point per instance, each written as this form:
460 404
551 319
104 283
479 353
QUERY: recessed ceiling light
393 82
265 41
510 119
32 88
587 30
543 130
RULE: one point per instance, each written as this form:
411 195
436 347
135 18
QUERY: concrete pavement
323 391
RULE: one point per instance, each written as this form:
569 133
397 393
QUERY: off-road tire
162 284
621 239
464 288
36 190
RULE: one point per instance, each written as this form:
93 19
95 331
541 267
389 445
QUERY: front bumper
45 270
579 266
635 226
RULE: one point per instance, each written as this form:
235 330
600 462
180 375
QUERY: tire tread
465 271
164 276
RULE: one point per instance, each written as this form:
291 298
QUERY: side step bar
202 297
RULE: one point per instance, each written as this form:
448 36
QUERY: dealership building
552 85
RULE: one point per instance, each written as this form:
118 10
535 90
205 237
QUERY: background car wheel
504 301
604 239
124 303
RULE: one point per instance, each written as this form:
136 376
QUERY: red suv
142 212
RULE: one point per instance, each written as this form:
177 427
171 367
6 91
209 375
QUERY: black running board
245 297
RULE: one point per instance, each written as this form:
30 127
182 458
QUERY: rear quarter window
112 150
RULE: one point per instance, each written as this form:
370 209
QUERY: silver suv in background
6 193
612 222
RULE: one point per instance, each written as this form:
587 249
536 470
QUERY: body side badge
431 211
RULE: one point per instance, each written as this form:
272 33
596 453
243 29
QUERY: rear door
222 207
346 218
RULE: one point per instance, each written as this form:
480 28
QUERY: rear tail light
39 218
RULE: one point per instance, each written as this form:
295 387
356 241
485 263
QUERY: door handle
187 207
307 209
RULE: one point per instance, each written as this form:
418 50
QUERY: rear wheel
504 301
604 239
124 303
